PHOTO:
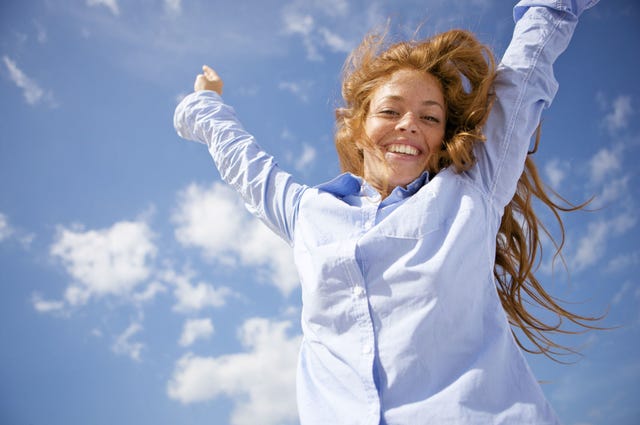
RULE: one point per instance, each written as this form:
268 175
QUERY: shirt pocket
418 217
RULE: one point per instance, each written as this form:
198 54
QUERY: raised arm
268 192
524 87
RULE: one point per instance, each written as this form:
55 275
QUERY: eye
388 113
430 118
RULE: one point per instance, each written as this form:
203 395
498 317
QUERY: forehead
409 84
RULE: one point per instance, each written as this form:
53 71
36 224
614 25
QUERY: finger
210 73
200 82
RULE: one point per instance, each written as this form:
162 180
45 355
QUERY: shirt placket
361 309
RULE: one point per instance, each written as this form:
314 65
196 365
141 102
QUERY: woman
399 257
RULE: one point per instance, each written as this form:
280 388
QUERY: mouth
403 149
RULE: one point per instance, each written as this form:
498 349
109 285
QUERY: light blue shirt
401 319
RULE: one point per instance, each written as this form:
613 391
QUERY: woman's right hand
208 80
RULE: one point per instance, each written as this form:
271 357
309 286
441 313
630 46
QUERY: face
406 122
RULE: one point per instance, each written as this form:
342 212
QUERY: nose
407 123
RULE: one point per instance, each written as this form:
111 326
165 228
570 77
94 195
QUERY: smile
404 149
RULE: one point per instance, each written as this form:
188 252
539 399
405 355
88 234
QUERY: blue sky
135 287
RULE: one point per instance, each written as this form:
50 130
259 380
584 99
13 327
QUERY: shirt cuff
573 7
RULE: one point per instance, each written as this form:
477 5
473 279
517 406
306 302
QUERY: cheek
375 132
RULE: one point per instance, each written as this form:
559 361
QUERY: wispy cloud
10 232
214 220
623 261
555 171
112 5
31 91
306 158
42 305
593 245
328 26
620 114
250 378
195 329
300 89
125 344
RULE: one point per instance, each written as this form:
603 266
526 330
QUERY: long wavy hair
466 70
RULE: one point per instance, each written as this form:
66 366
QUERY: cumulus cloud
194 330
31 91
621 112
215 220
112 5
112 261
194 297
250 378
124 344
593 245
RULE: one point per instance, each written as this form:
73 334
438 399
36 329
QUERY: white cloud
124 344
215 220
593 245
111 261
194 330
47 306
335 42
604 163
250 378
193 298
555 170
31 91
112 5
618 118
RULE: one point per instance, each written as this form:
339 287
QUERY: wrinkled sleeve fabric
525 85
269 193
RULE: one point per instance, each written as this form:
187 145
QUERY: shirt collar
344 185
348 184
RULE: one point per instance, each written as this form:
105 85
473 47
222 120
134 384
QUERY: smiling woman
404 126
412 263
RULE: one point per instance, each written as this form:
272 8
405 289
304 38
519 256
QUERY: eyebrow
425 102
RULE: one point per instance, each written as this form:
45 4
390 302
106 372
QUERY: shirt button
366 349
358 291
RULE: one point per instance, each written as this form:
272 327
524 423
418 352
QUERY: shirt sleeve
268 192
525 85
